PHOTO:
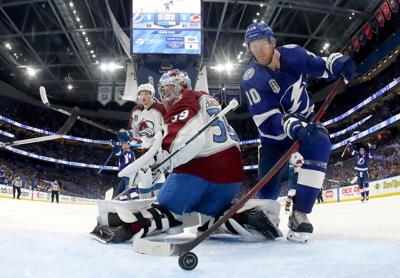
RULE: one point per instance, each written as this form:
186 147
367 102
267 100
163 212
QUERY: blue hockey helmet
258 31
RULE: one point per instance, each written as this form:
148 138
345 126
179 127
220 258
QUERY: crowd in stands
385 164
78 182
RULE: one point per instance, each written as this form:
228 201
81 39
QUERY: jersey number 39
225 129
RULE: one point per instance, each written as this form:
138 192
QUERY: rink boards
26 194
379 188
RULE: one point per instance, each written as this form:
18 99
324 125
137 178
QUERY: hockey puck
188 261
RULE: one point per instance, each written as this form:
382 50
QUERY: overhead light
238 57
396 51
83 33
74 11
88 43
261 5
92 51
97 61
8 45
224 67
87 39
110 67
258 14
350 17
244 44
31 71
71 4
352 13
326 45
254 20
240 61
81 26
94 55
78 19
241 52
70 87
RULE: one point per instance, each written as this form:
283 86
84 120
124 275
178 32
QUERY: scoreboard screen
166 27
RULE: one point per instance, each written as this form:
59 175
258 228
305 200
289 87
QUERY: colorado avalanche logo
295 98
146 129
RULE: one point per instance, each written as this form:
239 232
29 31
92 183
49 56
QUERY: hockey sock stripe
144 223
156 217
172 221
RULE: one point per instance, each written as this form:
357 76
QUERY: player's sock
366 194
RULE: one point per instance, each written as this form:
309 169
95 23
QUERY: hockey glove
296 159
124 136
293 124
341 65
371 146
296 128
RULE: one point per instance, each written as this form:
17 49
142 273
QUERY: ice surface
351 239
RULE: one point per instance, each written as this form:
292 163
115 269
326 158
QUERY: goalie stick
59 134
141 245
45 100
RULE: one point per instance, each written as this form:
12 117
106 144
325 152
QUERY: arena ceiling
46 35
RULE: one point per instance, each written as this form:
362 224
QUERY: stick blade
43 96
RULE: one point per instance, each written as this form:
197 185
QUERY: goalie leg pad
154 220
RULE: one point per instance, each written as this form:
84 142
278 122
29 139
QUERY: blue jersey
125 158
274 93
361 162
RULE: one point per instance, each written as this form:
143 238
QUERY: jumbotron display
166 27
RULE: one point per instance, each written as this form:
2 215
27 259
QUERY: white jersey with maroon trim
145 123
215 154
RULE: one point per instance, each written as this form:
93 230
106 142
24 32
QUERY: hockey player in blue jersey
275 85
126 157
362 158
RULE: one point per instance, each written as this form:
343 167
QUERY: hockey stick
178 249
106 162
43 96
59 134
233 104
347 146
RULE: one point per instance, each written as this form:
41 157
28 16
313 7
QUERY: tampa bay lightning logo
295 98
137 18
361 161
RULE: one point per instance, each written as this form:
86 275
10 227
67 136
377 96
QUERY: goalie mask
171 85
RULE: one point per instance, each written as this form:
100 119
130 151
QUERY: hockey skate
363 199
300 227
